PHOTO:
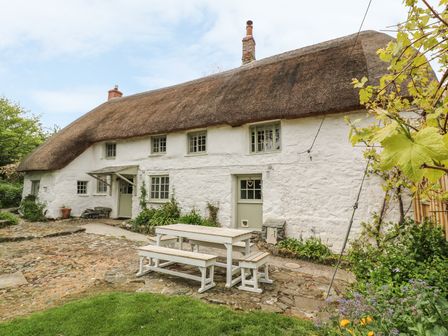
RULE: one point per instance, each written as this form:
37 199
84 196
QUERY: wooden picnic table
224 236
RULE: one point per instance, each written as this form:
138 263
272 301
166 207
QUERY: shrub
10 194
13 220
401 253
193 217
310 249
32 210
415 308
213 213
168 213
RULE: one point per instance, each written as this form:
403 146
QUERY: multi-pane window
265 138
158 144
160 187
81 188
35 185
111 150
197 142
250 189
101 186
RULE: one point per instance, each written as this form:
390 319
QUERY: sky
58 59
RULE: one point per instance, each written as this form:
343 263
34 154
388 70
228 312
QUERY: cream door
249 206
125 198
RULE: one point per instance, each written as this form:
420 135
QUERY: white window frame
107 151
158 144
35 190
193 146
102 183
265 145
156 184
79 187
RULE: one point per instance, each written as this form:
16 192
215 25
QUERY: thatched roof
310 81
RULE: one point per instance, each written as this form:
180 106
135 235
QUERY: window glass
265 138
101 186
197 142
158 144
160 187
81 187
250 189
35 185
111 150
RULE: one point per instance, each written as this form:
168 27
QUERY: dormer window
265 138
111 150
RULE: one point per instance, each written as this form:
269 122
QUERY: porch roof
126 170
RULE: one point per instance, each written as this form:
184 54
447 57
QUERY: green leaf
409 154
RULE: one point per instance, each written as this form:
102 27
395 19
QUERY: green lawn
147 314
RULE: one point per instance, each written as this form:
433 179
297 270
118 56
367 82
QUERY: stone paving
61 268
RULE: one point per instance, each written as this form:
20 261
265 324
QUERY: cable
355 207
314 140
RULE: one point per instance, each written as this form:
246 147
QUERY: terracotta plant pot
65 213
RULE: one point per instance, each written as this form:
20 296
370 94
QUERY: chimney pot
114 93
248 44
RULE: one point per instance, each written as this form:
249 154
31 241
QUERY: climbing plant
407 141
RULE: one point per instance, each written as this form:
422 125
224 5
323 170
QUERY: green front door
249 206
125 198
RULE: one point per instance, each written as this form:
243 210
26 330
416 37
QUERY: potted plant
65 212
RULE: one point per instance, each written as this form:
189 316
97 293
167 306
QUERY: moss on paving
148 314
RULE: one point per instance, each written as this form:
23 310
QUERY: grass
148 314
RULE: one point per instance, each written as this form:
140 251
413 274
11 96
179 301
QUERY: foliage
413 309
310 249
10 194
138 314
167 213
213 213
5 215
9 173
401 253
32 210
193 217
409 106
19 132
143 196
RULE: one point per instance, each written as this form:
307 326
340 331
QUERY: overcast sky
59 58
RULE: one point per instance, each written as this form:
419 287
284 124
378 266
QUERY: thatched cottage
237 139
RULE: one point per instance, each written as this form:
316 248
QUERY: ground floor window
35 185
160 187
82 187
101 186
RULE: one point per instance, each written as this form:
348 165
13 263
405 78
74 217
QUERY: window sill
156 154
110 158
196 154
83 195
161 201
101 194
266 153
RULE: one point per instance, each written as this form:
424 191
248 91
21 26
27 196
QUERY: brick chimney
114 93
248 44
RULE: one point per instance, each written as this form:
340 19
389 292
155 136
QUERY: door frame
235 196
118 179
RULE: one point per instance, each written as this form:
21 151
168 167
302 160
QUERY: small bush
32 210
147 219
10 194
310 249
13 220
193 217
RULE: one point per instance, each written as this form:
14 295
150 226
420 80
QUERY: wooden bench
153 254
251 264
167 241
238 247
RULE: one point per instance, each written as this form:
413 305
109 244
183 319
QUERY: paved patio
62 267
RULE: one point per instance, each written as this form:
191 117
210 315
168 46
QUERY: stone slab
113 231
12 280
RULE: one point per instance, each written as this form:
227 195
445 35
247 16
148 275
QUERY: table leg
229 248
181 243
247 247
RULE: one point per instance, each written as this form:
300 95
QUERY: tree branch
435 13
434 167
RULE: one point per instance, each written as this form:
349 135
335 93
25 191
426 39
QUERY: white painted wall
313 196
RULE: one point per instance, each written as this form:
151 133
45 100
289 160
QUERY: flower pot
65 213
